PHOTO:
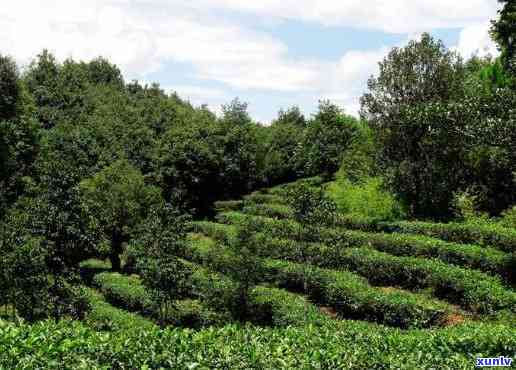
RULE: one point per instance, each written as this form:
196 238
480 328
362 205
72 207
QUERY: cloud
146 36
398 16
475 40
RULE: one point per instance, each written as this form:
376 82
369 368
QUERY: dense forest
126 208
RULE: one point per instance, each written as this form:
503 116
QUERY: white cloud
142 36
399 16
475 40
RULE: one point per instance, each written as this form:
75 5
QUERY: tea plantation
348 294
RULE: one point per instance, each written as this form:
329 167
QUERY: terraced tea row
482 258
471 289
349 294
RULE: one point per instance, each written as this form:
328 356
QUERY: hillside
361 299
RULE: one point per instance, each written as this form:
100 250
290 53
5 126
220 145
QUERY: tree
19 137
115 201
281 144
162 240
9 88
312 208
324 140
291 116
235 113
503 31
243 262
412 107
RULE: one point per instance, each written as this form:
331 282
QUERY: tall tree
115 201
411 108
504 33
162 240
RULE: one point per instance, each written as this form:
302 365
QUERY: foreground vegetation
138 231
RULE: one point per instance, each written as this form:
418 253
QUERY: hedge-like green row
482 258
350 294
479 233
104 316
259 198
277 307
222 232
124 291
91 267
484 234
282 189
228 205
128 292
353 297
274 210
336 345
471 289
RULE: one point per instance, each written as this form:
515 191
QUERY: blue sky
270 54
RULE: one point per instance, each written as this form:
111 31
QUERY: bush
337 344
228 205
276 307
104 316
124 291
350 294
477 233
471 289
269 210
91 267
129 293
482 258
353 297
365 199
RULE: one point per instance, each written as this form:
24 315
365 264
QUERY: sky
272 54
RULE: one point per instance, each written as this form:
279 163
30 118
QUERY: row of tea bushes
336 344
351 295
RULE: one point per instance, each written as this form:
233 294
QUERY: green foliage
243 264
325 140
163 273
353 298
469 288
358 162
279 308
310 206
115 201
503 33
9 88
105 317
367 198
509 218
482 233
71 345
407 107
124 291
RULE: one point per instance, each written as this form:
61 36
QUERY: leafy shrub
104 316
480 233
350 294
365 199
228 205
259 198
509 218
336 344
277 307
91 267
354 298
124 291
482 258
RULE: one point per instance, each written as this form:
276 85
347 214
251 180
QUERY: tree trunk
116 249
